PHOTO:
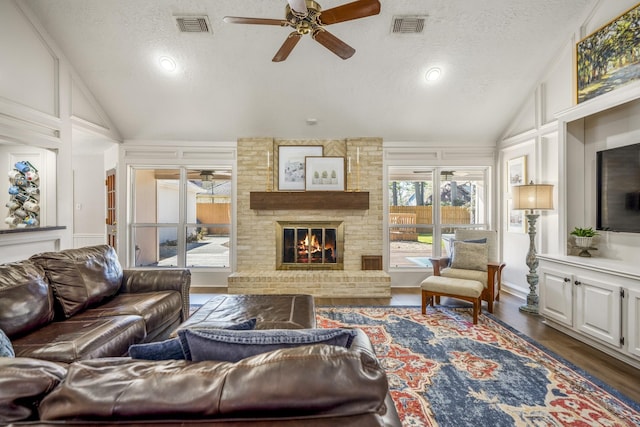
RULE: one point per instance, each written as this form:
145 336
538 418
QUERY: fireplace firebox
309 245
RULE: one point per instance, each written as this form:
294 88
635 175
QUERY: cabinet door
598 309
633 321
555 299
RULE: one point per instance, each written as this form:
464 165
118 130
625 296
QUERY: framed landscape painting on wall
291 165
608 58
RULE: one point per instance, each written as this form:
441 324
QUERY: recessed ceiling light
167 64
433 74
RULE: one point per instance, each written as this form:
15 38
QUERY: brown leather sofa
62 307
311 386
79 304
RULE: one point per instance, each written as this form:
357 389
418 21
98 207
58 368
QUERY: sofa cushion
23 384
26 300
81 277
470 256
173 348
170 349
76 339
232 346
296 382
156 308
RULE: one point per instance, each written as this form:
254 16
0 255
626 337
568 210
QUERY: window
421 225
181 217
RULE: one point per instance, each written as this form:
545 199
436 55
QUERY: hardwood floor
617 374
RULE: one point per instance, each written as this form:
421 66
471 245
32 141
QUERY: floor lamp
532 197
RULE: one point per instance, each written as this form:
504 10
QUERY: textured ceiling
492 52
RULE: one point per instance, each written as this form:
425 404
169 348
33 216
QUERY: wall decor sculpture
24 191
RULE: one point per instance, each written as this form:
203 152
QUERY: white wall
534 132
36 110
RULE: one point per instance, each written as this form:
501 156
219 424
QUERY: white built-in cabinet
594 300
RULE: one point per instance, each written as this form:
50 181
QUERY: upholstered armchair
469 264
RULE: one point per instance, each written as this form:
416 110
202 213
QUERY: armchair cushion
470 256
457 273
452 247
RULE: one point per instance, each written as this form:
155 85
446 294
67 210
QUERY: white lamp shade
533 197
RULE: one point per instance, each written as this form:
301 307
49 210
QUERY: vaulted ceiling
491 53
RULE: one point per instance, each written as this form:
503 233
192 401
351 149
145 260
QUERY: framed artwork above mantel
291 165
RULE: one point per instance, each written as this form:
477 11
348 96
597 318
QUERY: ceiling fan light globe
433 74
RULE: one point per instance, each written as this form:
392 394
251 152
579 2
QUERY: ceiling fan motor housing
304 24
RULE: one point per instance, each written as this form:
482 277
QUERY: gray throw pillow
452 246
470 256
175 348
6 349
232 346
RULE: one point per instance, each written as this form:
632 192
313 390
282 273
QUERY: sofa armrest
439 263
176 279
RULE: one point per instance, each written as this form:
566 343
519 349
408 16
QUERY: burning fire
312 248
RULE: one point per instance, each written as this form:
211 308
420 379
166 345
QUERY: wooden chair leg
476 309
424 302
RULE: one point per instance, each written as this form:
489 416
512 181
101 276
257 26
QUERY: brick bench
434 287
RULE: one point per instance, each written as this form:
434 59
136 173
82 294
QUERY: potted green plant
584 236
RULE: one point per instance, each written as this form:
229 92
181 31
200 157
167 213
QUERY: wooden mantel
273 200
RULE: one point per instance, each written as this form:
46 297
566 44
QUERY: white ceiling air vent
193 24
408 24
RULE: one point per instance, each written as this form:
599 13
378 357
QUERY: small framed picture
515 219
516 172
291 165
324 173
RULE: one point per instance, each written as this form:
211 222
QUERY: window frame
436 226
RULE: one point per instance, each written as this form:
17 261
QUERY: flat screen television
618 189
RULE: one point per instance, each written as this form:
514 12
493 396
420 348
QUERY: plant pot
584 242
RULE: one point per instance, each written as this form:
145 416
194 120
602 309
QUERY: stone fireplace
295 252
309 245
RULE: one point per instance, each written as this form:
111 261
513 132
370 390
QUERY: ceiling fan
307 17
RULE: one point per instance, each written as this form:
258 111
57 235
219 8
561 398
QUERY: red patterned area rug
445 371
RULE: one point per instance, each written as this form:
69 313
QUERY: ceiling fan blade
287 47
299 6
349 11
334 44
256 21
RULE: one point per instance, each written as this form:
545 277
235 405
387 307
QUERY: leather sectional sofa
79 304
69 313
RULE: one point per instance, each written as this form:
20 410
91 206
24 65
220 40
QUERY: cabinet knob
567 280
578 283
